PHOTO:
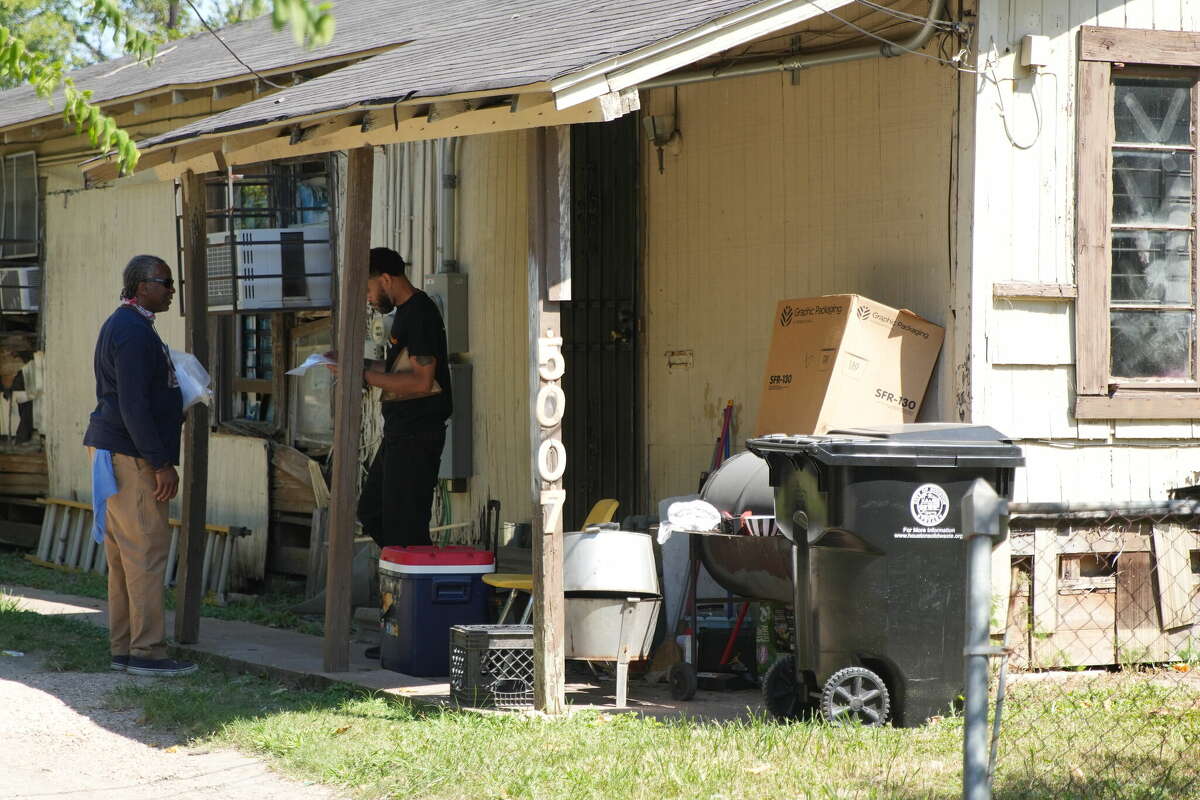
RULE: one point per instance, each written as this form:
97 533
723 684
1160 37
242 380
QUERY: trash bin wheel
683 681
856 693
783 693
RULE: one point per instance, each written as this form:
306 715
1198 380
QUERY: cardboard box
845 361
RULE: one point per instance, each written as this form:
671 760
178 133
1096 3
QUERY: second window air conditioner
20 288
276 268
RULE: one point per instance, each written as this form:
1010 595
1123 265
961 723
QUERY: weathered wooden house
1020 173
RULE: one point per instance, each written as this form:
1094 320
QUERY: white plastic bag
194 380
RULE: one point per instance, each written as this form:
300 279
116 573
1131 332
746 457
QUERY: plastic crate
492 665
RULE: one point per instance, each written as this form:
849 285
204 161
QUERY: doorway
602 425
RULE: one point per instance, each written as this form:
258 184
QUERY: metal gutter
631 69
802 61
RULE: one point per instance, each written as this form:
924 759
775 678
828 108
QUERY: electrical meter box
449 291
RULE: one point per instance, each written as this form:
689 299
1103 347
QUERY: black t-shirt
418 330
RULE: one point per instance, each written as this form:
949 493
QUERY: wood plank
1017 290
1133 46
1173 571
315 576
75 541
351 324
1045 582
1139 638
23 463
1085 632
1016 634
1001 585
545 432
189 588
1093 133
1138 405
49 526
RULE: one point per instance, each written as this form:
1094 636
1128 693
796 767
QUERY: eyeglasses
167 282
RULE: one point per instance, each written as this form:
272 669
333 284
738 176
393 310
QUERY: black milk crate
492 665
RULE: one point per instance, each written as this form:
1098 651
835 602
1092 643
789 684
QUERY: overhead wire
956 62
225 44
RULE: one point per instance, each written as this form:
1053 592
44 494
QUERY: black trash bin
878 558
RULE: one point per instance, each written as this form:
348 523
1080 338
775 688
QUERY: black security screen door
602 426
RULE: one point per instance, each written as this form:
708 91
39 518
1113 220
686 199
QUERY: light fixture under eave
661 130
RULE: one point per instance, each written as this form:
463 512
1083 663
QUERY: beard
384 304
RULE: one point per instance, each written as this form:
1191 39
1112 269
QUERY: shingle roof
478 46
362 25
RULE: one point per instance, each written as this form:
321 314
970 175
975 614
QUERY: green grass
1131 734
270 608
68 645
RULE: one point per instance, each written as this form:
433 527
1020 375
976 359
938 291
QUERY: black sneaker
371 652
164 667
120 663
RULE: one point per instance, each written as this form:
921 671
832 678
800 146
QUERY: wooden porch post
189 589
548 263
347 419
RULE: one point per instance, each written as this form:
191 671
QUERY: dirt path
58 740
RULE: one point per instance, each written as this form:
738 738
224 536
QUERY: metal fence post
982 510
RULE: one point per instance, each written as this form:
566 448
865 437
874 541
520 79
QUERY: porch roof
563 51
200 60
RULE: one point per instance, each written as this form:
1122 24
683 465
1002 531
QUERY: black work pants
397 496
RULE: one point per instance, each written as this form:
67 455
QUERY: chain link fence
1098 611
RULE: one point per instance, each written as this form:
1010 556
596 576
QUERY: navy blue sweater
139 409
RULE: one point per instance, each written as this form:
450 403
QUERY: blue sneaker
120 663
162 667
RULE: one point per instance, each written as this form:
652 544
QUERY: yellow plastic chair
602 511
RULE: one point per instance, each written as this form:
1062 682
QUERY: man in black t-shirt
397 497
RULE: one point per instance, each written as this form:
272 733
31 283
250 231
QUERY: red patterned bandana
138 308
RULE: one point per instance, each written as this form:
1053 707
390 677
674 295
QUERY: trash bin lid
426 559
936 444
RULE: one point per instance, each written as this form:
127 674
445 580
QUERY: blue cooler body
425 591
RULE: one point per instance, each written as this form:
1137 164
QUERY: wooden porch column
549 282
347 418
189 589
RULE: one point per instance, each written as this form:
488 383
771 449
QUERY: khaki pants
136 546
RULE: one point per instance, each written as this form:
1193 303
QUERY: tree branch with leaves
312 26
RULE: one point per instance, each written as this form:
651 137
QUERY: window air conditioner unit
20 288
270 269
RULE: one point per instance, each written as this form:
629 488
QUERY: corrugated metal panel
478 46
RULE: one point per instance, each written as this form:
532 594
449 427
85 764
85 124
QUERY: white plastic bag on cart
689 515
194 381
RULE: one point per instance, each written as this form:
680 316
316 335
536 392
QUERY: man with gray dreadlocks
135 433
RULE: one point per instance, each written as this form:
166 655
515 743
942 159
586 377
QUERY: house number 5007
549 407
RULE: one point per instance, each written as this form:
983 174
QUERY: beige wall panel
837 184
90 235
493 251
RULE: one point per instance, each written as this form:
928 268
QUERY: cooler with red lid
424 591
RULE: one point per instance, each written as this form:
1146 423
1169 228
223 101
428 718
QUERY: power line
956 63
224 44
